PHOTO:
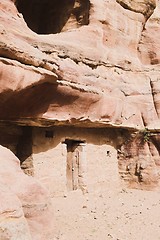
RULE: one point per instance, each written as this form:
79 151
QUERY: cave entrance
50 16
76 162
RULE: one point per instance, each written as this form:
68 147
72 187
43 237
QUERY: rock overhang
96 74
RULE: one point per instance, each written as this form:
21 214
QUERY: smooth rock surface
25 205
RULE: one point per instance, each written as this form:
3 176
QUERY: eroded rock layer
93 73
95 66
67 66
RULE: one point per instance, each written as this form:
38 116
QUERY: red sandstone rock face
96 65
93 74
148 45
25 208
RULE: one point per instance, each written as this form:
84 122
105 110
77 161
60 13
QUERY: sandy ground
123 214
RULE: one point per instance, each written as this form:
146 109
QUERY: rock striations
81 63
101 72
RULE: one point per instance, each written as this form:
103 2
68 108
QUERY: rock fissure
153 96
78 86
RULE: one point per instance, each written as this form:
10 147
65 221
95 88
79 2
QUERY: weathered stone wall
50 158
43 153
139 160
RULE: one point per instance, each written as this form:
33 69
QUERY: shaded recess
24 150
50 16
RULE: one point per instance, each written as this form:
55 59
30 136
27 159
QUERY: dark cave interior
50 16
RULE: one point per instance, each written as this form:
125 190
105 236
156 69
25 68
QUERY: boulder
25 210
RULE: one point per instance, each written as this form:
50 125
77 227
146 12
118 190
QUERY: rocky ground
119 215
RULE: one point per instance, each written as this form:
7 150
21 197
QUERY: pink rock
64 76
24 200
100 68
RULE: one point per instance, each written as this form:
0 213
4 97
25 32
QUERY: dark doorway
50 16
24 151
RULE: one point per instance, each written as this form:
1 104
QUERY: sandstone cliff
100 71
86 64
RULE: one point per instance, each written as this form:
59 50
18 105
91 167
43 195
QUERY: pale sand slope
119 215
